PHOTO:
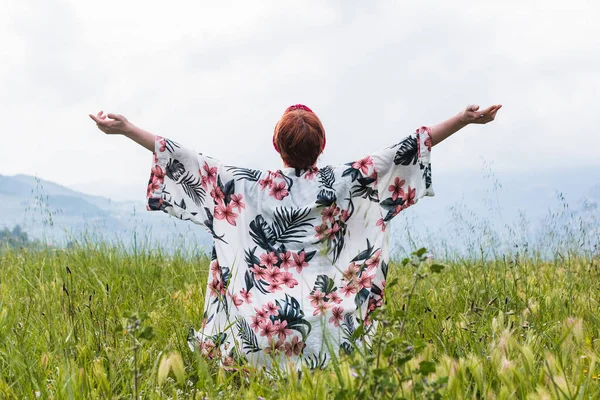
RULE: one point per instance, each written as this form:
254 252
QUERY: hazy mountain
57 213
521 206
48 209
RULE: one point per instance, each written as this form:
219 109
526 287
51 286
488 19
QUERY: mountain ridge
38 204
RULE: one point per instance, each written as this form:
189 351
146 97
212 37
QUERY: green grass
510 328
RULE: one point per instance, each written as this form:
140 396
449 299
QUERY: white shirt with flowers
300 257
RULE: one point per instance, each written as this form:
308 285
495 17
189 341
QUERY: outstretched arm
117 124
469 115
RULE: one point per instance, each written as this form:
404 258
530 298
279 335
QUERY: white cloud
216 76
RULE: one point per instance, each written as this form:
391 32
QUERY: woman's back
300 257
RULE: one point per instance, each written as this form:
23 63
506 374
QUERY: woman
300 255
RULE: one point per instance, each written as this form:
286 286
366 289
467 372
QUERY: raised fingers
99 119
493 113
490 111
98 116
487 111
117 117
490 116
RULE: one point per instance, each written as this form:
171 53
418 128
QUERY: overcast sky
216 76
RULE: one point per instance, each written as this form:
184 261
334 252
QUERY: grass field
84 322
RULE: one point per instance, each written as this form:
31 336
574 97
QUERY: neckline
298 171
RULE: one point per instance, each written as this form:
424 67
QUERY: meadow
96 321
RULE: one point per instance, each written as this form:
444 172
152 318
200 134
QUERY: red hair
299 137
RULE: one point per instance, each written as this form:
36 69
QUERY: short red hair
299 137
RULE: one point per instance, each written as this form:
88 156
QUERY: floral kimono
300 257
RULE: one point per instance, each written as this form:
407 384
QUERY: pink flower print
158 173
428 142
273 274
246 296
363 165
317 298
162 142
274 347
271 309
380 222
286 260
399 209
228 363
281 330
374 303
333 230
215 268
267 329
337 316
158 180
151 189
279 190
374 177
216 287
275 174
349 289
288 280
300 261
257 322
221 288
295 347
310 174
321 231
207 348
217 195
213 288
321 309
203 180
211 173
373 262
153 186
266 183
268 259
351 272
409 197
225 212
334 298
274 287
261 313
329 213
259 273
396 188
364 281
155 158
236 300
236 201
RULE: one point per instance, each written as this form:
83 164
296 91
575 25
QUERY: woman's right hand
115 124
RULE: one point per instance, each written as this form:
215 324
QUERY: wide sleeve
179 181
403 173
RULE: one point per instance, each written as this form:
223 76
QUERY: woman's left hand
472 115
